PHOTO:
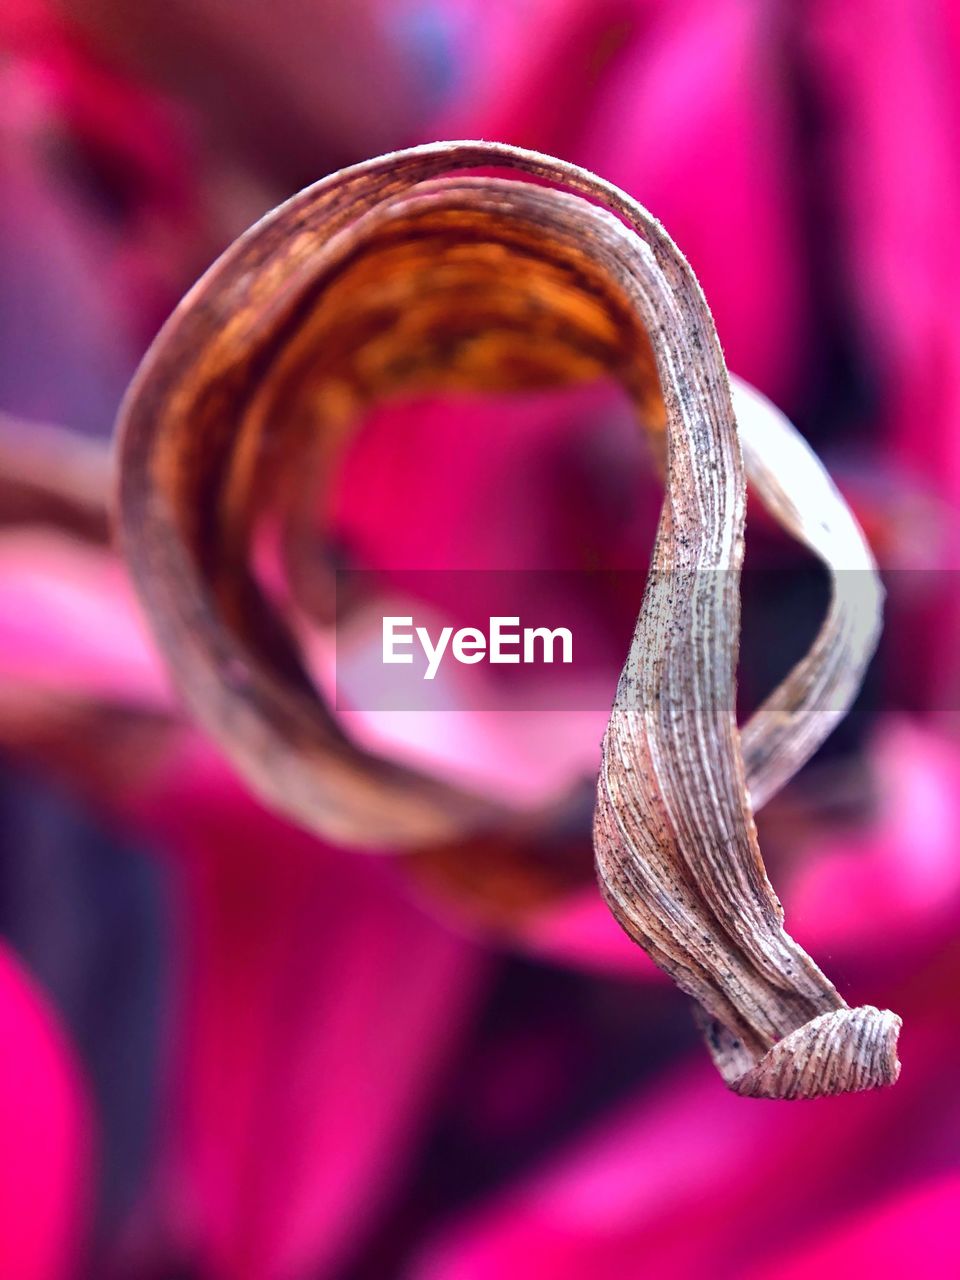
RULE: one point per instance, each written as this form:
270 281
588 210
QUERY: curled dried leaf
401 275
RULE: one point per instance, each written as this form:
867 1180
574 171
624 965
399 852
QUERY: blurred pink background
232 1052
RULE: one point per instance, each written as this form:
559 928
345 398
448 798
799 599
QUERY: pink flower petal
898 880
889 1239
69 622
44 1137
319 1010
691 1180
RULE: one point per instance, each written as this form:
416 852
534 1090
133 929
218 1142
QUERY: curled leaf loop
405 274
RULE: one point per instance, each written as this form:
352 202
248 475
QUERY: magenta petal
692 1181
44 1137
914 1233
901 202
320 1008
897 881
895 85
693 119
68 622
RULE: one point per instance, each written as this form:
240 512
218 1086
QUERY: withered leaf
400 275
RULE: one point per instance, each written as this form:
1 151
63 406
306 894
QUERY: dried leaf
401 275
792 484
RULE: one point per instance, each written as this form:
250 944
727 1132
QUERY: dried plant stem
401 275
